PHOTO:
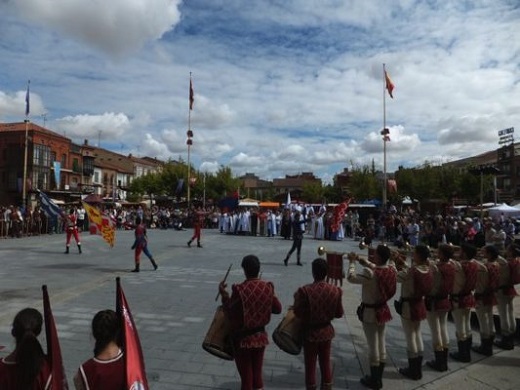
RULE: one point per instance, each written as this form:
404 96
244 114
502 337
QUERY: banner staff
189 133
27 112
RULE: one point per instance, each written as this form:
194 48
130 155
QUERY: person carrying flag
141 245
27 367
106 370
72 229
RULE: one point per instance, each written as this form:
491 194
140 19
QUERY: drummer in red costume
317 304
249 310
72 229
379 283
106 370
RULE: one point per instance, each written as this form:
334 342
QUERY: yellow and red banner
101 224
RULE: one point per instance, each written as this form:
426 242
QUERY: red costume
198 221
465 298
9 381
440 302
72 230
423 283
103 374
249 309
317 304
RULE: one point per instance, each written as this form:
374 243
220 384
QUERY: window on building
41 156
96 177
64 160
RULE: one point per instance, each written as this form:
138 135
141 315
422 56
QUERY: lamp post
189 142
483 170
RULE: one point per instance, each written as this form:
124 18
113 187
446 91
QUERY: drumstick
225 277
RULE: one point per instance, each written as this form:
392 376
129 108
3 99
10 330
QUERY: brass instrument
322 251
363 245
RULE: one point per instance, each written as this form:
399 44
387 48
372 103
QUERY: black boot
198 244
66 250
79 249
298 262
418 367
506 342
189 243
460 355
439 364
412 371
136 269
372 381
467 348
485 348
285 261
155 266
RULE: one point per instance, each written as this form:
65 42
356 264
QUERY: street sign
501 133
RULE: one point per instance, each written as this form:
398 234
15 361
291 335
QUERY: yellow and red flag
101 224
389 85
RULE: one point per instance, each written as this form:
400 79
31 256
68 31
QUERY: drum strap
318 325
249 332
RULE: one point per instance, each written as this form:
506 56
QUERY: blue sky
281 86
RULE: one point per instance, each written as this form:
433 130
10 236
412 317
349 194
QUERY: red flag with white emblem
134 362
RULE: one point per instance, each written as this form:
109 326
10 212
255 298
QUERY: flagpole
189 142
24 184
384 136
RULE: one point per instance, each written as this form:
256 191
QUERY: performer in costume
297 233
198 220
485 299
438 306
106 370
416 282
317 304
72 229
509 276
249 310
27 367
141 245
379 283
462 300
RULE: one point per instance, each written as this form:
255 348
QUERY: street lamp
482 170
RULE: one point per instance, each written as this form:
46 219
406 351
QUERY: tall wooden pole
384 136
27 111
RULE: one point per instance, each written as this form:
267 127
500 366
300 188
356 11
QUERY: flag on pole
192 95
134 362
59 379
104 225
27 99
49 207
389 85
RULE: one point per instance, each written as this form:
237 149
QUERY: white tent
508 211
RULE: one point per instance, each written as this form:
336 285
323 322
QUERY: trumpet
363 245
322 251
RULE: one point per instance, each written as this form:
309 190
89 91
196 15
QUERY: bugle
322 251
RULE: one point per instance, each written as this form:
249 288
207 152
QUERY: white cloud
117 27
280 87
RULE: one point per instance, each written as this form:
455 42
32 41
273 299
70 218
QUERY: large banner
57 173
101 224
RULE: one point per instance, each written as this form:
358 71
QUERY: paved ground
174 306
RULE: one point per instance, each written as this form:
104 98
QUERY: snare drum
217 341
288 334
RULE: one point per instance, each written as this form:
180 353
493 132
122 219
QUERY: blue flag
27 95
49 207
